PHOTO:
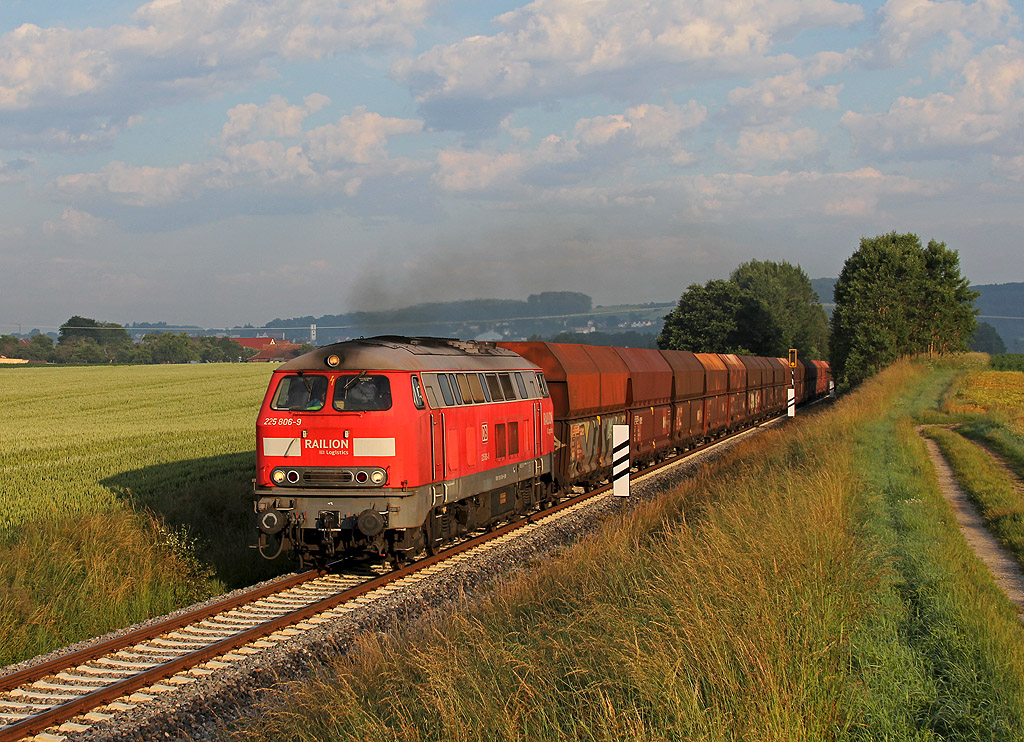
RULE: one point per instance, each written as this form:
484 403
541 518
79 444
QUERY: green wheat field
125 492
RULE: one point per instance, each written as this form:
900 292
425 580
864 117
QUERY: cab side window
494 387
362 393
300 392
446 389
522 386
506 386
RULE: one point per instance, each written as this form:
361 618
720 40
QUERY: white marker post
791 392
620 460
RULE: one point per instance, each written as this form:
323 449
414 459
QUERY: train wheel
432 544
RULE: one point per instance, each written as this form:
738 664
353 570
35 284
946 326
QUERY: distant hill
824 287
1002 306
545 315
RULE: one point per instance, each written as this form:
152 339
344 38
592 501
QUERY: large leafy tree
718 317
946 311
895 298
765 308
791 304
165 347
84 340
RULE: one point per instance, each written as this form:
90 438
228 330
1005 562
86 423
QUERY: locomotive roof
395 353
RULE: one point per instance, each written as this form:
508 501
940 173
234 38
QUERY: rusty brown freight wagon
588 392
688 391
648 398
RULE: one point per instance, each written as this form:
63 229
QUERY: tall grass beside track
810 585
125 492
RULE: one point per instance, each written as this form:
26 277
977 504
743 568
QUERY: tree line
894 298
85 340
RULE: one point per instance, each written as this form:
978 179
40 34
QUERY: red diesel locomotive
393 445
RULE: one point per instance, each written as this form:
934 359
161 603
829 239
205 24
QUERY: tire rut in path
1007 573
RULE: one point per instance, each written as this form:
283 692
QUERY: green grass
944 653
812 585
124 492
1008 362
993 432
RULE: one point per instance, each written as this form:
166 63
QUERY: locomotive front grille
327 476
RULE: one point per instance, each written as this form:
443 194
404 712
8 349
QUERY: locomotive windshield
362 393
300 392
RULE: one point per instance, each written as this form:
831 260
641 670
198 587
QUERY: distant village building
270 350
255 343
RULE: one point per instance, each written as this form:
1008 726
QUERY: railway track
68 694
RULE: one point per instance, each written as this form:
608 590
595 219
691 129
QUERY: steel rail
67 661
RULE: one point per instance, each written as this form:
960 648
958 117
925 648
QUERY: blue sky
213 162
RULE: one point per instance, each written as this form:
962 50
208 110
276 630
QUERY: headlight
277 476
377 477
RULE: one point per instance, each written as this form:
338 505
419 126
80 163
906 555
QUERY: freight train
389 446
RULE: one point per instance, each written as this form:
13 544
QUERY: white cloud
1011 168
645 127
908 25
76 225
350 151
177 50
983 112
360 137
275 118
476 171
267 161
136 186
554 48
595 145
775 146
778 97
804 195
